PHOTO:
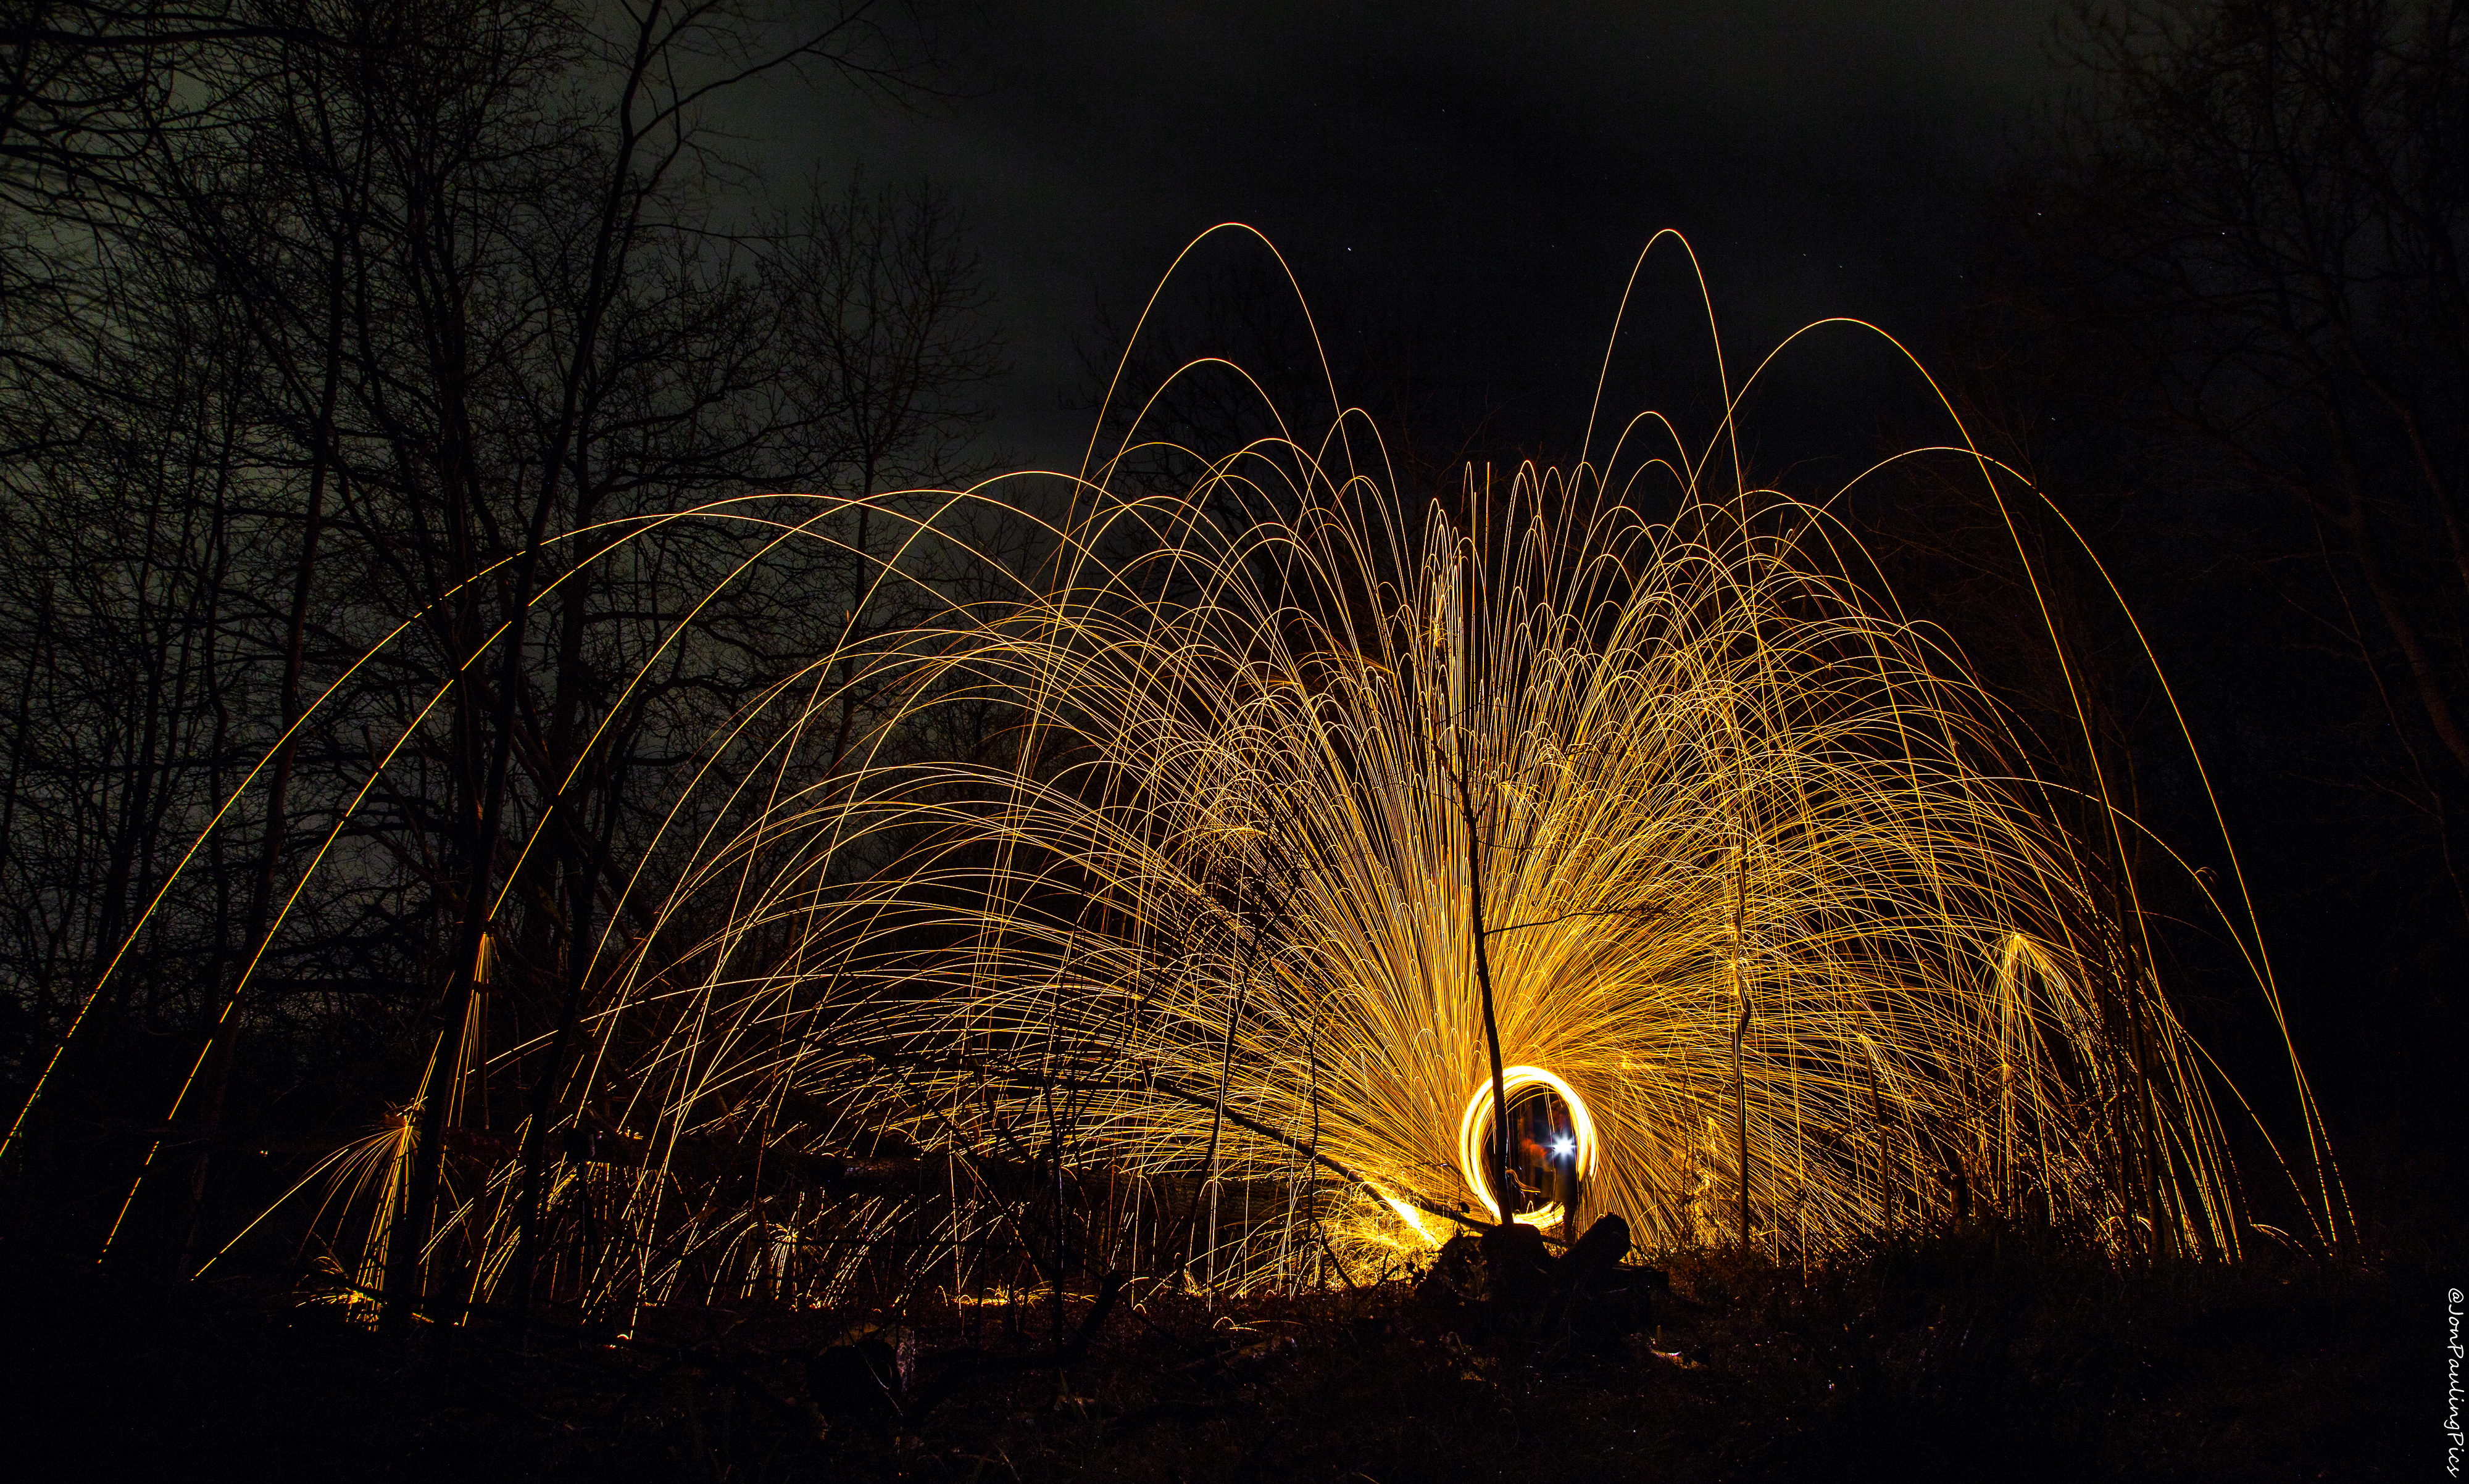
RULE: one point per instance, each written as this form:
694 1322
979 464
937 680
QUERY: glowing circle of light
1476 1121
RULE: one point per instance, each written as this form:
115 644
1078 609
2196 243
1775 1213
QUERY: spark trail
1772 893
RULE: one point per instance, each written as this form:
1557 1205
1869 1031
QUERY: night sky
1467 183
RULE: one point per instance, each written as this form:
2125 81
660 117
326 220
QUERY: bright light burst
1761 869
1715 794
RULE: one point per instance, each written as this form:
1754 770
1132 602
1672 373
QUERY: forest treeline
349 351
2225 321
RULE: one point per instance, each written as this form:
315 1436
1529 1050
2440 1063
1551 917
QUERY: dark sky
1470 180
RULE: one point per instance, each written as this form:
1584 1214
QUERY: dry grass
1975 1357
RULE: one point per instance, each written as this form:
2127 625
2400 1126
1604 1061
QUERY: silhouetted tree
2258 209
352 310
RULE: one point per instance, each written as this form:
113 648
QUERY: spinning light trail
1285 767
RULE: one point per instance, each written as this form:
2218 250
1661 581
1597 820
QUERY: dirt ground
1955 1359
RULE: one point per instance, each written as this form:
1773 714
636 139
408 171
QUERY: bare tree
2261 207
427 285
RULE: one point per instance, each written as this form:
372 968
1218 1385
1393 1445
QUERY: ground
1972 1357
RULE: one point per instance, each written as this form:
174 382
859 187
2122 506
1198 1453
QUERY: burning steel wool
1752 880
1307 823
